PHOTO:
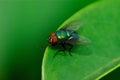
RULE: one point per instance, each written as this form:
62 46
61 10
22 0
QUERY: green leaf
100 23
24 27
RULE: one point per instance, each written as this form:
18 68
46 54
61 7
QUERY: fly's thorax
61 34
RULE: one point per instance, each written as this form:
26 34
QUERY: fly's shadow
62 49
77 49
82 50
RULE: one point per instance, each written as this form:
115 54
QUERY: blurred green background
24 27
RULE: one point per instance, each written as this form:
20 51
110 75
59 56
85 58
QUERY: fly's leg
63 50
58 52
71 46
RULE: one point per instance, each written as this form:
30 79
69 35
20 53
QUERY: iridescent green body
64 35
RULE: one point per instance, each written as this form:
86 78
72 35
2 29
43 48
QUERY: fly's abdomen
75 36
72 34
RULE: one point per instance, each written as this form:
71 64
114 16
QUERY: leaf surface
100 23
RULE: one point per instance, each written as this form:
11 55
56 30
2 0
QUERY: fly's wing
74 25
80 41
83 40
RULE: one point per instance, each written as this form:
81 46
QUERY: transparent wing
83 40
80 41
74 25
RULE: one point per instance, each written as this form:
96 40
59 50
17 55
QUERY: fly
67 36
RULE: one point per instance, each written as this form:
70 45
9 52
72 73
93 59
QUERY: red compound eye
53 38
